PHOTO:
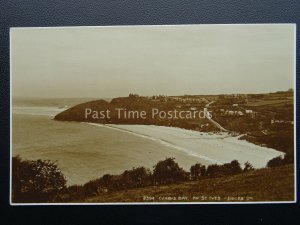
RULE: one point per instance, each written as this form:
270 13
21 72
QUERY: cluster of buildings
238 112
232 96
281 121
164 98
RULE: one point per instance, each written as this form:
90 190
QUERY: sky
151 60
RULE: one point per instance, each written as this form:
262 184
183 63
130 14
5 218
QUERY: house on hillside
230 113
240 113
251 113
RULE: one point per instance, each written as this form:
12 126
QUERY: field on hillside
277 102
269 184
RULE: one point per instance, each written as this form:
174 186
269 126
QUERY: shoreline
211 147
163 142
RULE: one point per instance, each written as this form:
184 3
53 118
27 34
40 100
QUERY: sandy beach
207 147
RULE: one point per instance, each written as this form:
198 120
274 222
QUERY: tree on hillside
137 177
197 171
226 169
132 95
213 170
235 167
168 171
277 161
248 167
35 181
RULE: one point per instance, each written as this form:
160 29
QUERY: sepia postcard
168 114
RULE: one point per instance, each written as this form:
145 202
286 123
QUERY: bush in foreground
248 167
279 161
42 181
197 171
168 171
137 177
35 181
134 178
231 168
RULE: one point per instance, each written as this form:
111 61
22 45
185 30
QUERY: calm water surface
82 151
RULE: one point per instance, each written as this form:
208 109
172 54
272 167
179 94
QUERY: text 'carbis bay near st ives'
122 113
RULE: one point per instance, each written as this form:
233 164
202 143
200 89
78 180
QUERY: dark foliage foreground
35 181
42 181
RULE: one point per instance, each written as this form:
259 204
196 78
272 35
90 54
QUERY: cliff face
77 113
